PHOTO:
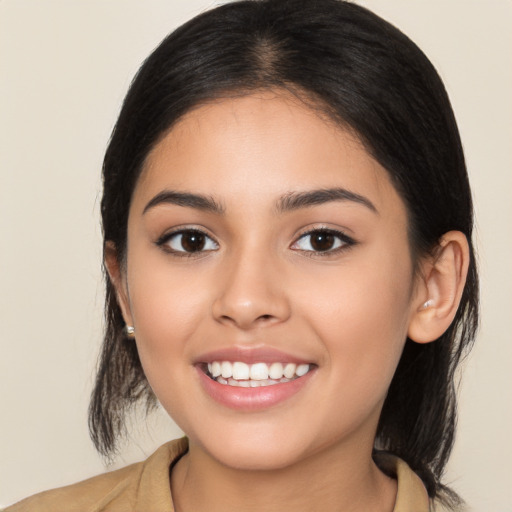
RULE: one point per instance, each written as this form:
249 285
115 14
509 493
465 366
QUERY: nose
251 293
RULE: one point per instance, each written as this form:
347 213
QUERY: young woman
287 222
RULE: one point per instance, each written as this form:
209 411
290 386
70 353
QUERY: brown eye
192 241
323 241
188 241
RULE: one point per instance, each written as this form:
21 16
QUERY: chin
254 447
254 457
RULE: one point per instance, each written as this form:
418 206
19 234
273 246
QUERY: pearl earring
129 332
427 304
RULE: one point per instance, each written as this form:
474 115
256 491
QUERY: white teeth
250 375
240 371
251 383
259 371
289 370
275 371
216 369
226 369
302 369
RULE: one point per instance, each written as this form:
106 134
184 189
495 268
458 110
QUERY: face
267 246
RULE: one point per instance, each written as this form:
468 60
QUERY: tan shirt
144 487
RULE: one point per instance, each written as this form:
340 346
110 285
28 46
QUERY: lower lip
252 399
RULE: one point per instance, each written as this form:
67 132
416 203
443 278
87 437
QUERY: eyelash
346 242
164 240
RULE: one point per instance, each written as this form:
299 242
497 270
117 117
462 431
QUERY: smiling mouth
240 374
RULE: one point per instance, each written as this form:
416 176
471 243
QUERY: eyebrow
287 203
197 201
298 200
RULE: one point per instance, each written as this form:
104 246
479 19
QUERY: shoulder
437 506
83 496
141 484
412 494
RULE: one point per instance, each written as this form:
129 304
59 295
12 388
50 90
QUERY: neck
338 479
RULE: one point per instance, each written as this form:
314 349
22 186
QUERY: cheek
167 305
362 317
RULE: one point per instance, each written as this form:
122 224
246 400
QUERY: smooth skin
260 278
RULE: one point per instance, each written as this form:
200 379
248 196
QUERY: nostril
265 318
249 312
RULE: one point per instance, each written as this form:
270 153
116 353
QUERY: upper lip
250 355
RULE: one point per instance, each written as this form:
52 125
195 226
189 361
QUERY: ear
117 277
440 288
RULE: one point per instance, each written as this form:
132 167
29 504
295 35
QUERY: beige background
64 69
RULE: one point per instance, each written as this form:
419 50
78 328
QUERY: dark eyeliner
348 242
162 241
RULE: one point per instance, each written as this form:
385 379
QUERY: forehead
250 149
